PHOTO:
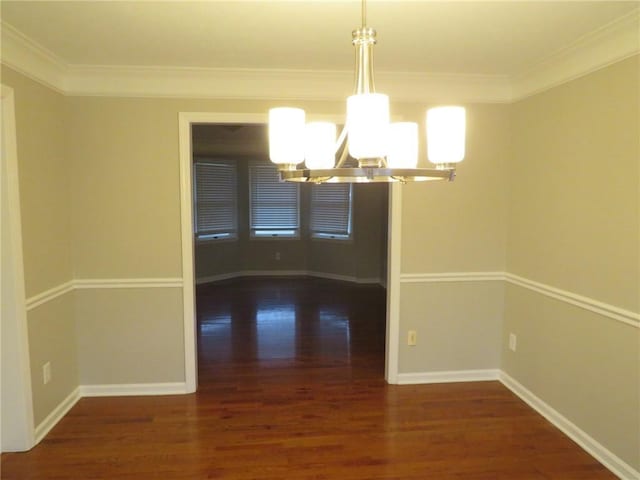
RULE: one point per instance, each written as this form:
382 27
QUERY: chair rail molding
451 277
616 313
82 284
128 283
605 309
49 295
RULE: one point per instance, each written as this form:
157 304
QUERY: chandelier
369 148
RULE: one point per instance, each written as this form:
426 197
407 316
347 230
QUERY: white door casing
16 406
185 120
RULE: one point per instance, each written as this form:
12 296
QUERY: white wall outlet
412 338
46 373
513 342
277 255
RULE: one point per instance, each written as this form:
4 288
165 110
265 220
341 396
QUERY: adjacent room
228 253
289 277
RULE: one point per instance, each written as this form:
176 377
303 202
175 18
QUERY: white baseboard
56 415
133 389
286 273
448 377
216 278
593 447
345 278
615 464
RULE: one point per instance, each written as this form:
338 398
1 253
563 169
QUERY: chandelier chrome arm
341 138
367 175
344 155
376 171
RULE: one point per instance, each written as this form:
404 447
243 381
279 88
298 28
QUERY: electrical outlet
513 342
277 255
46 373
412 338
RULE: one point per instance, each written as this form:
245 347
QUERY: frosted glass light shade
446 134
368 125
403 145
320 145
286 135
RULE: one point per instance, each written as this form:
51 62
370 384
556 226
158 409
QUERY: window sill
332 238
216 239
274 236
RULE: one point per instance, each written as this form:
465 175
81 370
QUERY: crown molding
31 59
613 42
442 87
256 84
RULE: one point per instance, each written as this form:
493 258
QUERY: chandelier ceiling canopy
369 148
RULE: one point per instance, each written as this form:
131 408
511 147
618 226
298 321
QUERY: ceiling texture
301 49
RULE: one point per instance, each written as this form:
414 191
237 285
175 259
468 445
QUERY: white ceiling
499 38
414 36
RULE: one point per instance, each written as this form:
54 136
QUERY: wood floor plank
291 387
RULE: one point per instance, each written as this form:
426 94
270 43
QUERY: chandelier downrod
364 13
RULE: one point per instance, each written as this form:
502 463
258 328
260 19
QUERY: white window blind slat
331 210
274 204
215 199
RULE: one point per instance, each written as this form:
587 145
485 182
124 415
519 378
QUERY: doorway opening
289 278
186 120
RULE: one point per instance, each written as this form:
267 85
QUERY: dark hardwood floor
291 387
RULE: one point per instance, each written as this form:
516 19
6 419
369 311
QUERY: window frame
222 236
328 236
272 233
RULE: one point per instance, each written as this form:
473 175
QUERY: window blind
215 200
274 204
331 210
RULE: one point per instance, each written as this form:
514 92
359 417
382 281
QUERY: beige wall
43 164
458 326
457 227
584 365
370 230
573 203
575 228
125 196
573 224
52 338
216 258
126 207
130 335
461 226
126 224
